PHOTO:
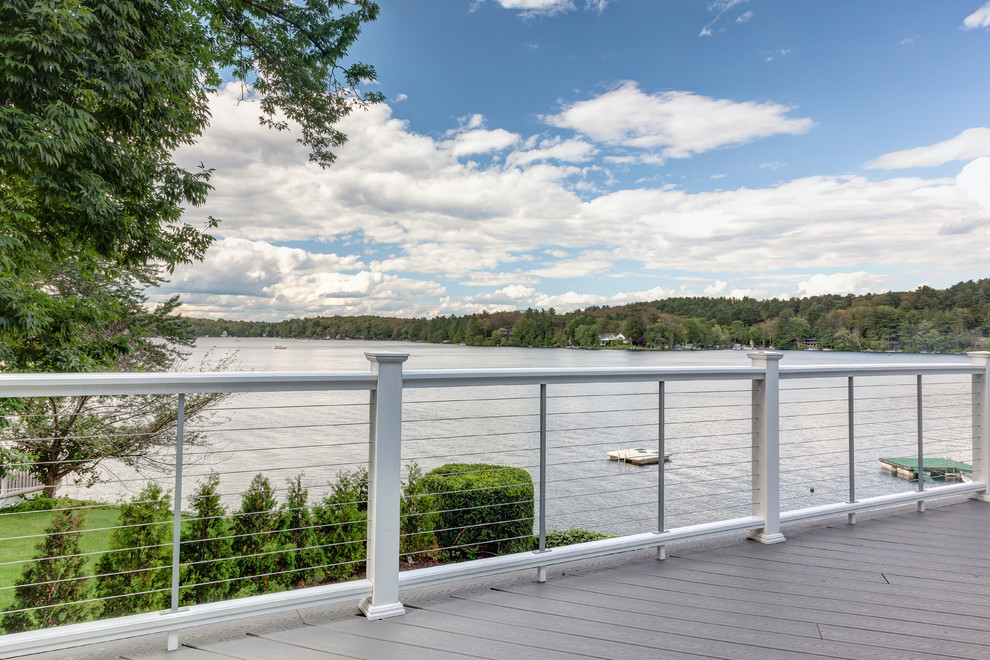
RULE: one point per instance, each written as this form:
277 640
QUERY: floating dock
638 456
907 468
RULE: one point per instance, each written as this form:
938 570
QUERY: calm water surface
707 428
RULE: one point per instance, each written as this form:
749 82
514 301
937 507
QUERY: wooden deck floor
905 586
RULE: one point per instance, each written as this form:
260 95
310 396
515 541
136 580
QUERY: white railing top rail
563 375
48 384
879 369
23 385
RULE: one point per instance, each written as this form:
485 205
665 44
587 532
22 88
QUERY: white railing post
851 412
921 442
384 487
766 447
981 423
172 642
541 571
662 448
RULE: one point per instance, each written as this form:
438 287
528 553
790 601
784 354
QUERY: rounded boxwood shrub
484 510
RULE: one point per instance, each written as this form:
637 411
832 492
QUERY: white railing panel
748 452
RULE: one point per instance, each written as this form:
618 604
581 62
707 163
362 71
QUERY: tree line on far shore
924 320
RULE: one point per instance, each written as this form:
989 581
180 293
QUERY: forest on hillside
924 320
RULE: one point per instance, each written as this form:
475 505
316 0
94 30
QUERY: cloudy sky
566 153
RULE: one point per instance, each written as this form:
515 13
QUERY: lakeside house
611 339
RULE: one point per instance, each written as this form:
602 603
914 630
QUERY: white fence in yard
753 448
18 484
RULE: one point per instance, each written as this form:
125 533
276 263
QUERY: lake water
707 427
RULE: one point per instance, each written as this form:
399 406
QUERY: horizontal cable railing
224 494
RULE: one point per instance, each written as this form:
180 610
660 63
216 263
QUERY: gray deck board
407 630
905 602
820 613
809 606
321 637
907 585
591 638
252 647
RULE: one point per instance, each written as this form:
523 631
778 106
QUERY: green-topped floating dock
907 468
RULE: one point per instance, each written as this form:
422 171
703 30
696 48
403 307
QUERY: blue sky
564 153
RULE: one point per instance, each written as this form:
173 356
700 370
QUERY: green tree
299 533
95 96
256 540
206 550
72 436
341 518
634 330
694 332
48 592
133 576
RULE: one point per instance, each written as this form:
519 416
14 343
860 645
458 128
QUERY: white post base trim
766 539
541 573
173 641
852 518
376 612
921 506
661 552
982 497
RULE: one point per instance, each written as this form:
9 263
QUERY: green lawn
15 548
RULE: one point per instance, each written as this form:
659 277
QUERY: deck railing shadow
758 435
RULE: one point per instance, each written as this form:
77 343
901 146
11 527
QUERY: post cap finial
387 357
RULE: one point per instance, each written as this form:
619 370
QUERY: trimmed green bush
485 510
561 537
418 519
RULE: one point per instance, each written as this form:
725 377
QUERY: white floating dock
637 456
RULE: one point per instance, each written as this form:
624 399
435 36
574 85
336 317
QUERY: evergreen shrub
484 510
206 552
298 533
135 576
262 558
51 586
341 520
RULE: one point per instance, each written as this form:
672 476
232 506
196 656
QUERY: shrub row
455 512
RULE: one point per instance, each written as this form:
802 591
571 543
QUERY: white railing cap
22 385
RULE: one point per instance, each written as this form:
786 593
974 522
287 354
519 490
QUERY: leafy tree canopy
95 95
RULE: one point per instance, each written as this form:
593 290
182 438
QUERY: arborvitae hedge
341 520
140 556
206 551
484 510
48 591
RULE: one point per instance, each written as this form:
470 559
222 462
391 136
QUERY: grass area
20 533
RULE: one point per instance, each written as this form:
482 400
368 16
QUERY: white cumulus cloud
678 123
537 7
400 226
841 283
969 144
531 8
571 151
481 141
974 181
979 18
